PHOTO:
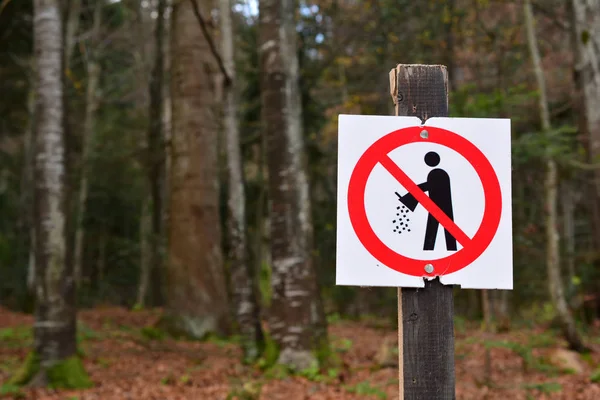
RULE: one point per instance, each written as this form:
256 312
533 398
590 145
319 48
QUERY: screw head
424 134
429 268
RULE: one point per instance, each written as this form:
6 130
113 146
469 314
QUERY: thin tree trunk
487 310
586 43
27 189
91 105
296 319
501 310
72 30
242 282
145 253
196 296
568 206
55 314
156 151
550 188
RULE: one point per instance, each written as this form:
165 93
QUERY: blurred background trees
164 208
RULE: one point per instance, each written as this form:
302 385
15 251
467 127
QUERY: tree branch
211 43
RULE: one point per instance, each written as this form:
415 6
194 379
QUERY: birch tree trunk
54 360
557 293
586 41
91 105
196 298
296 318
242 282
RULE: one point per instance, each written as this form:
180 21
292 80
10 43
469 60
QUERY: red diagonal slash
424 200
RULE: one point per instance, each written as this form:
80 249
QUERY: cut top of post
420 90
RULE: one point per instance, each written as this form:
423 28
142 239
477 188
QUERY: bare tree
195 291
297 323
152 233
585 29
242 283
91 106
550 186
55 347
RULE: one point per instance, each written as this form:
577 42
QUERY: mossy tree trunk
54 358
296 322
195 292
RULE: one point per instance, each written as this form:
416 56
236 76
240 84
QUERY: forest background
177 158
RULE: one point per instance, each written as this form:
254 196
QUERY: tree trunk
297 322
91 105
487 310
568 206
145 254
27 189
242 282
55 346
196 296
156 155
586 43
550 188
501 310
72 29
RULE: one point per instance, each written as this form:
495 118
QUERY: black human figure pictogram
438 187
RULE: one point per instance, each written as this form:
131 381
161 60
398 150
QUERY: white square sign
420 201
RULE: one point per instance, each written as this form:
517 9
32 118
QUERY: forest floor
127 359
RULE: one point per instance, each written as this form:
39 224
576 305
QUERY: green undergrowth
16 337
595 377
152 333
366 389
249 390
545 388
66 374
526 353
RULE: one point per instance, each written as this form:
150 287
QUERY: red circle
407 265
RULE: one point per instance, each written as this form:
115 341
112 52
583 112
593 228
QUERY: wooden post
425 316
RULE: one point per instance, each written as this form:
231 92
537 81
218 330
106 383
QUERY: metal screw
429 268
424 134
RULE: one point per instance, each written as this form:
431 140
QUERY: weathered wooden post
403 181
425 316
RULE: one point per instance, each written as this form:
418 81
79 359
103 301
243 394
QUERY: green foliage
365 388
271 353
69 374
341 345
152 333
311 373
11 389
543 340
460 324
546 387
66 374
30 367
334 318
595 377
540 364
16 337
85 333
246 391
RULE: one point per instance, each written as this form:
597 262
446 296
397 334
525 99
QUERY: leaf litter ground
125 364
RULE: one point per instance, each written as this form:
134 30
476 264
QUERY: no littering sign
424 200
